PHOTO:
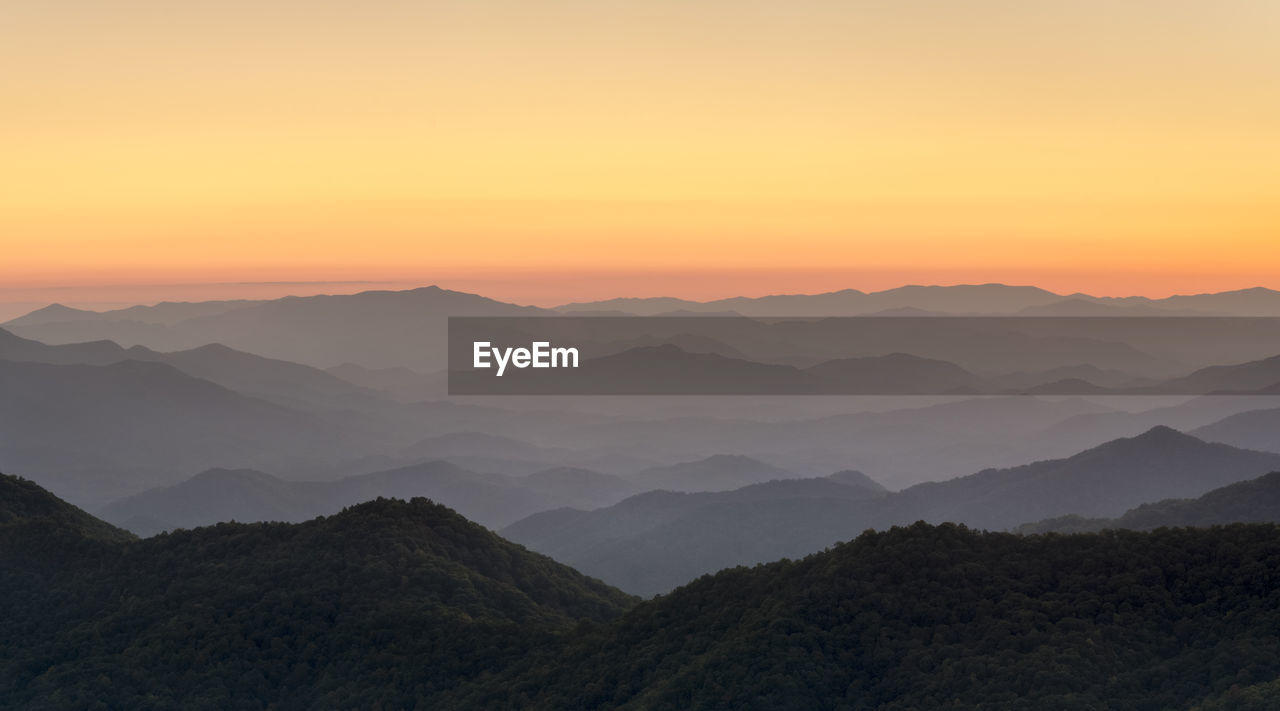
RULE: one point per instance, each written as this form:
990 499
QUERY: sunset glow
584 149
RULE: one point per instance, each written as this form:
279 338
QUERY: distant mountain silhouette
1107 480
16 348
1255 429
400 384
972 299
652 542
1256 301
1252 377
1068 386
855 478
1083 306
214 496
920 440
1093 375
275 380
580 488
984 298
54 313
461 444
166 313
897 374
687 342
375 329
97 432
219 495
719 472
1253 501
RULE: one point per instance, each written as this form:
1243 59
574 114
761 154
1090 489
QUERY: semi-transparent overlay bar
731 355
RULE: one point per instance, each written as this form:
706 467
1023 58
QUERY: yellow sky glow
1123 147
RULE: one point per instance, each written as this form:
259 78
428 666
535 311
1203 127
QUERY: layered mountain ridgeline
248 495
960 300
398 605
1106 480
375 329
1256 429
719 472
650 543
100 431
276 380
385 605
398 329
1254 501
495 500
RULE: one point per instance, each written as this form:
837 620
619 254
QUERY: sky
565 150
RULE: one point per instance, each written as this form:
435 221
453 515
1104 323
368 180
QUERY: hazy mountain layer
96 432
1253 501
651 543
493 500
966 299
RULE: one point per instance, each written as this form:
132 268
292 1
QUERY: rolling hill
393 604
387 602
941 618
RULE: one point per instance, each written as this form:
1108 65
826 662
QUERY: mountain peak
1163 433
857 479
51 313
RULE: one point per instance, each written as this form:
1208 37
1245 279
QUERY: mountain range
98 431
649 544
375 329
387 329
246 495
975 299
1253 501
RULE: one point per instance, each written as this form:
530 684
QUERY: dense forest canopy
394 604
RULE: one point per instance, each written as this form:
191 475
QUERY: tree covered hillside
385 605
398 605
943 617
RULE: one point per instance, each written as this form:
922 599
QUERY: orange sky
572 149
